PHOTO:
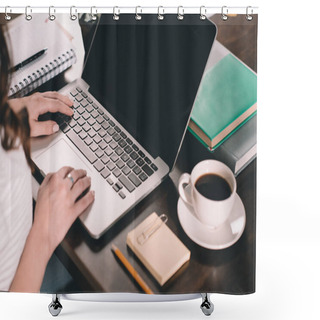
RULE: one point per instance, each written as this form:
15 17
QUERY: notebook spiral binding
43 74
180 11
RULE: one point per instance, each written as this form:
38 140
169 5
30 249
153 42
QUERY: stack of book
224 113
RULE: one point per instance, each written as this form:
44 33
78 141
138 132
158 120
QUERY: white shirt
15 211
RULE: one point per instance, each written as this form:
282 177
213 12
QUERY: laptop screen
146 74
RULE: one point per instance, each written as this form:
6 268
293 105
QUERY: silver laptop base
206 306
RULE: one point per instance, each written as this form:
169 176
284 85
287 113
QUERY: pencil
132 271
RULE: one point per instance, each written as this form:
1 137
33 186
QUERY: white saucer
216 239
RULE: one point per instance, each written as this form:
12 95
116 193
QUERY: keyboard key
141 154
86 127
107 139
122 143
81 122
112 124
97 139
99 119
116 172
113 145
119 151
111 166
100 111
84 94
106 117
116 137
123 135
134 179
131 164
147 160
134 147
127 184
117 129
85 115
81 110
105 125
81 146
120 164
136 170
105 159
111 131
88 141
116 188
129 141
140 162
114 158
74 92
103 144
82 135
76 115
95 106
91 133
133 155
94 114
125 157
91 122
65 129
122 195
77 129
143 176
96 127
99 165
89 100
154 167
108 152
105 173
102 133
128 149
99 153
89 108
79 98
78 89
94 148
84 102
72 123
126 170
147 170
109 180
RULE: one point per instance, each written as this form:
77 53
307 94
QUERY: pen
29 60
132 271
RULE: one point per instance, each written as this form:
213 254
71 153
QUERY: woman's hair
14 127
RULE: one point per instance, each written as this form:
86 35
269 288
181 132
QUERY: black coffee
213 187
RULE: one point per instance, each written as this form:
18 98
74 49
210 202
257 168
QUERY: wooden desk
232 270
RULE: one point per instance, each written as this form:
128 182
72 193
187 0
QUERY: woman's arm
56 210
40 103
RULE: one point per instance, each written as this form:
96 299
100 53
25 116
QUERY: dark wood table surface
232 270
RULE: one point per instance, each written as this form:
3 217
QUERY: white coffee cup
212 213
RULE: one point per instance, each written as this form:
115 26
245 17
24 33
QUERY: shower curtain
148 95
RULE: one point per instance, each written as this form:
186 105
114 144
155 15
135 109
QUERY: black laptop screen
146 74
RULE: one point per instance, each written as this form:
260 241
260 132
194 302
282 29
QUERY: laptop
131 110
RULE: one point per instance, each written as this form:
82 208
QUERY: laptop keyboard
112 153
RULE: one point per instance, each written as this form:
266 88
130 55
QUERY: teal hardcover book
226 99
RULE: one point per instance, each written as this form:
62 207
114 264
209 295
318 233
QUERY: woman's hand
40 103
58 205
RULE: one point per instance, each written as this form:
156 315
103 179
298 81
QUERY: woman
26 247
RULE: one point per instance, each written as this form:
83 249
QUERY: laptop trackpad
59 155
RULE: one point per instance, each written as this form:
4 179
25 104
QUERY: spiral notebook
56 42
158 248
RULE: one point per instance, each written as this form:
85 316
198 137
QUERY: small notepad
158 248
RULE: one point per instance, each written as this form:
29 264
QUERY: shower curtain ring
249 17
224 12
160 15
73 15
52 16
6 16
203 13
93 15
138 16
27 12
116 15
180 13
